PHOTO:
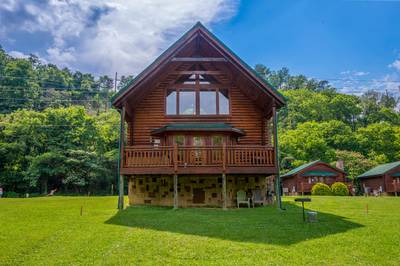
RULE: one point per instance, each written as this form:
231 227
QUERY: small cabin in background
301 179
199 125
384 178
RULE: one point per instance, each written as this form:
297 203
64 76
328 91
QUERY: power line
117 79
44 100
70 89
40 78
44 90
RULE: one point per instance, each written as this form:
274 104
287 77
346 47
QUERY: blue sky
353 44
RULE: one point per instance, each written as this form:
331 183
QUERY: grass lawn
52 231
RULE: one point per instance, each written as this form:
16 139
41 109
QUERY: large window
197 94
186 101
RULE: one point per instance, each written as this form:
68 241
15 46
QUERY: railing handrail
199 147
215 156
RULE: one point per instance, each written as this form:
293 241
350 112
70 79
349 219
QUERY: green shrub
11 194
321 189
339 189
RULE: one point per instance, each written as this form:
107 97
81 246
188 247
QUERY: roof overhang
199 127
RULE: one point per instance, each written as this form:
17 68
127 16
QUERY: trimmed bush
339 189
321 189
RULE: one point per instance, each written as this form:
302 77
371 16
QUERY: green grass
51 231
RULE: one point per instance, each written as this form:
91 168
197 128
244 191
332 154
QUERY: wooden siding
150 114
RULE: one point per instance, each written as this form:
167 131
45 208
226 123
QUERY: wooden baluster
175 155
224 164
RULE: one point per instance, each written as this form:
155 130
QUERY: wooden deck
239 159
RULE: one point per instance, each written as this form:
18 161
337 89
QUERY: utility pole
115 81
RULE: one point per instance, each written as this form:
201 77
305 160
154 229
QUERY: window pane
202 80
216 140
198 141
223 102
187 102
208 102
171 102
179 140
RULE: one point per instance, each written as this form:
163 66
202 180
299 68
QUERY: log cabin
198 125
382 179
300 180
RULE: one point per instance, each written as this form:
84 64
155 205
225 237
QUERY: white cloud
17 54
395 64
354 73
360 73
105 36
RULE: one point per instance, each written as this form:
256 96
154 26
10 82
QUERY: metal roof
298 169
318 173
379 170
219 127
304 166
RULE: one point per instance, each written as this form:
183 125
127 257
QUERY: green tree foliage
355 163
63 148
379 141
321 189
30 84
339 189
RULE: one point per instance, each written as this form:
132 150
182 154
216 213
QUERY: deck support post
121 160
224 198
176 191
278 178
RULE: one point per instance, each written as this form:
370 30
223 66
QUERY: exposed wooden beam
198 59
199 72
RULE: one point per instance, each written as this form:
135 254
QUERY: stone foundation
193 190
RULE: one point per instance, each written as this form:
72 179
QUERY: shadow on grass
259 225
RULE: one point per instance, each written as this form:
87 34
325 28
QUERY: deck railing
209 156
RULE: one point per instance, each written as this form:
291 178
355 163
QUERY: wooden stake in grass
81 210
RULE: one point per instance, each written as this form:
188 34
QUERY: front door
199 195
